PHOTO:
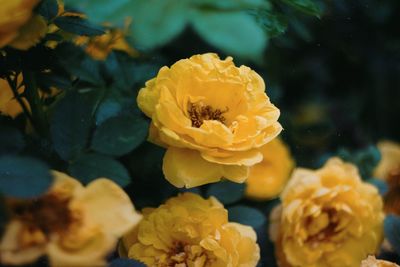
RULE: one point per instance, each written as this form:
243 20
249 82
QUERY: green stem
32 95
13 86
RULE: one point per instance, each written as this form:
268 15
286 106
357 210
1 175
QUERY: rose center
199 113
185 255
328 231
48 214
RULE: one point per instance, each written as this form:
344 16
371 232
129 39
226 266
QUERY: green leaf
23 177
367 159
47 80
119 135
227 192
156 21
230 5
122 69
273 23
247 216
72 121
77 63
88 167
306 6
392 231
78 25
103 10
107 109
235 33
48 9
11 140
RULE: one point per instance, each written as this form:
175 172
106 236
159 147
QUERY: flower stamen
48 214
199 113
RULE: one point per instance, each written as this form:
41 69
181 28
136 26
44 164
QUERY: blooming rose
19 28
191 231
267 178
212 117
73 225
328 217
390 153
371 261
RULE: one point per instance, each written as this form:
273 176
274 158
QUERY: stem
14 89
32 95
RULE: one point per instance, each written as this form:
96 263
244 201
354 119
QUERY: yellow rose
371 261
390 153
328 218
267 178
73 225
191 231
19 28
212 117
8 104
99 47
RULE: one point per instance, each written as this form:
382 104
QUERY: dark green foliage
78 25
88 167
72 121
78 64
119 135
48 9
366 159
23 177
392 231
227 192
11 140
305 6
247 215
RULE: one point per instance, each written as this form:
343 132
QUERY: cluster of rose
216 123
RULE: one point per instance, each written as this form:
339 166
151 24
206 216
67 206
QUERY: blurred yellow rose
99 47
19 27
73 225
328 217
8 104
390 153
191 231
212 117
371 261
267 178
